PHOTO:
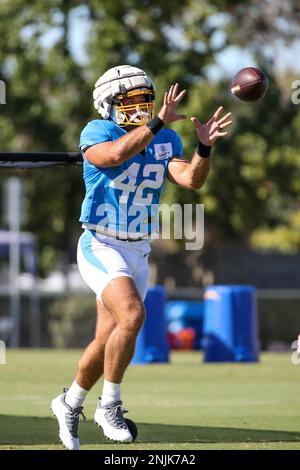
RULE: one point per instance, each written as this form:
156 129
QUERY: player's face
135 109
133 100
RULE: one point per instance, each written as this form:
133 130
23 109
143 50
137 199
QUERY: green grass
182 405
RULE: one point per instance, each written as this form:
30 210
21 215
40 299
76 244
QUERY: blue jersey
125 198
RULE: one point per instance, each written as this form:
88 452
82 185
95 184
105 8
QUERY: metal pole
35 317
14 204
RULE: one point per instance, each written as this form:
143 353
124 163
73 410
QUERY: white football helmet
120 82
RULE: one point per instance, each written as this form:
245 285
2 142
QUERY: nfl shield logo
163 151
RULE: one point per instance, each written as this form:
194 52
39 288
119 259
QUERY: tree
255 177
46 107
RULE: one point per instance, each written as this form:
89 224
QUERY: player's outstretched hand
171 99
211 131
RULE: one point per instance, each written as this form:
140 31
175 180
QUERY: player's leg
91 364
122 299
128 309
67 407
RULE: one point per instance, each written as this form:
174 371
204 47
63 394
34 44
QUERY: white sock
111 392
75 395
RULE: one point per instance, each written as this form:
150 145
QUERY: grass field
182 405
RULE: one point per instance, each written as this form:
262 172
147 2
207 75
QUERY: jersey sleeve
177 146
95 132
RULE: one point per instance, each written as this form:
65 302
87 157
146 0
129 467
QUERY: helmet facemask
135 114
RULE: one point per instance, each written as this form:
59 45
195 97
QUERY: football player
127 153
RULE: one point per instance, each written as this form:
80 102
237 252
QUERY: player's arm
114 153
192 174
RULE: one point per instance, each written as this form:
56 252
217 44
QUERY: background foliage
252 194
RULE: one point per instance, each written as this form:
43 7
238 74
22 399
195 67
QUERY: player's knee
134 317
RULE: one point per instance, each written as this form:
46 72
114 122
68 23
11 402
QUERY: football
249 84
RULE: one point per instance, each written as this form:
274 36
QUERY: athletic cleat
68 419
110 418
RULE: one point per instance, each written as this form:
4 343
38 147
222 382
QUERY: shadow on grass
29 430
